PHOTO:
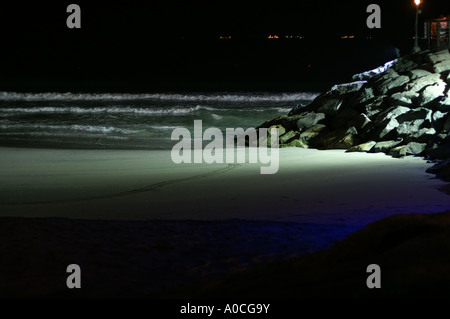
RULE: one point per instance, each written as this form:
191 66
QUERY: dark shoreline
118 259
143 259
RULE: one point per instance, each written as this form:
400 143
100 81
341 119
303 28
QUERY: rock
363 96
372 73
412 148
431 93
330 106
422 135
309 119
346 88
419 83
441 151
441 169
442 66
389 74
420 113
287 137
385 146
444 103
312 133
409 127
296 109
437 57
418 73
405 65
400 109
340 139
392 84
384 129
406 98
360 121
295 143
439 120
392 112
364 147
343 118
438 115
281 129
446 126
374 107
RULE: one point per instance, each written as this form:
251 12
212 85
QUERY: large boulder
392 84
419 83
392 112
409 127
375 106
386 146
446 126
288 136
341 139
405 65
360 121
444 103
432 92
406 98
363 147
418 73
309 135
384 130
362 96
375 72
309 119
437 57
412 148
439 119
442 67
330 106
419 113
423 135
346 88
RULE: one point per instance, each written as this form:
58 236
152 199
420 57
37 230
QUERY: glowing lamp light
417 2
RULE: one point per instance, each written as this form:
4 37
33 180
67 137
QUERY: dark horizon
170 46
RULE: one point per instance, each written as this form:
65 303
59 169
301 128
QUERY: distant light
293 37
273 36
417 2
225 37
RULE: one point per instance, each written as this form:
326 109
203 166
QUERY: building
437 33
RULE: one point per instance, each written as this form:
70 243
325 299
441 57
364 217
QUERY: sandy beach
311 186
140 225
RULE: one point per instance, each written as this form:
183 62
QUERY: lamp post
416 47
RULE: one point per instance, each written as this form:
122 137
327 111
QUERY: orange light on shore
417 2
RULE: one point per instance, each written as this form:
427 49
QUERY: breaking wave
191 97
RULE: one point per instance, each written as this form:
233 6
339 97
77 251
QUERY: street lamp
416 47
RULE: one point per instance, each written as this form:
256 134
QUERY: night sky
145 46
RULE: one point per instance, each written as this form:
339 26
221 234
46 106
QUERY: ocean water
131 121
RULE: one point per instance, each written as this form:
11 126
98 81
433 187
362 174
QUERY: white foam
75 127
176 110
230 97
216 117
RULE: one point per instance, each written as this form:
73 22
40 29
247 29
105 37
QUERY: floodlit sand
140 226
311 186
